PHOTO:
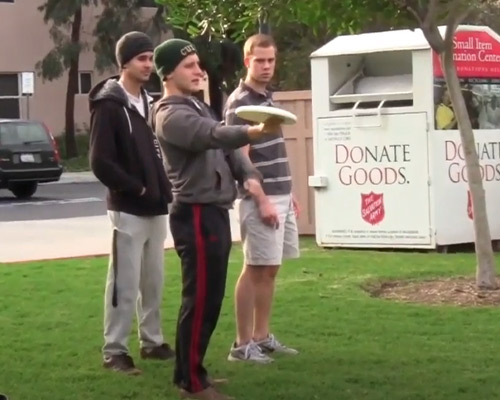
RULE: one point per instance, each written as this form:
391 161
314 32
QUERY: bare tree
429 13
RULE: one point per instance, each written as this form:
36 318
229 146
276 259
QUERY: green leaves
50 67
58 60
240 18
298 26
118 17
60 13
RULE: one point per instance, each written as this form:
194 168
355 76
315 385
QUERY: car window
22 133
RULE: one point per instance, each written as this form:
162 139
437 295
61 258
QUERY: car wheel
23 190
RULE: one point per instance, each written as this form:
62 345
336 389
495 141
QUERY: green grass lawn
352 346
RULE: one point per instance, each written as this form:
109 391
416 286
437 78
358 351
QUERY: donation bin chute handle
359 113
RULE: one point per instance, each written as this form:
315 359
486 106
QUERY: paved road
55 201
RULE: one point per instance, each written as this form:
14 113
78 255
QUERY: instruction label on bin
378 192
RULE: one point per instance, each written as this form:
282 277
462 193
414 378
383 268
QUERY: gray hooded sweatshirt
202 156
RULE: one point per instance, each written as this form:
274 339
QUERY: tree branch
413 8
430 28
417 16
430 18
464 14
456 16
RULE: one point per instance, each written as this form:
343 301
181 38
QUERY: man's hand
272 125
296 206
267 210
268 214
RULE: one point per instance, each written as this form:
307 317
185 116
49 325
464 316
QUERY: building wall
25 41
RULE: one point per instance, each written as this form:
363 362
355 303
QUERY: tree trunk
72 89
485 272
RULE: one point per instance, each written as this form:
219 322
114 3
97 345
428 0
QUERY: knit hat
131 45
169 54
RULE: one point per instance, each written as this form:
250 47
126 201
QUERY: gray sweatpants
135 281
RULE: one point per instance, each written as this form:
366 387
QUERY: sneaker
248 352
162 352
121 363
272 345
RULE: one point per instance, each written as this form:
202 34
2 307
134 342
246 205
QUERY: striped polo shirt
268 154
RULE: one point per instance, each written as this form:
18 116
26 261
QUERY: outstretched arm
185 128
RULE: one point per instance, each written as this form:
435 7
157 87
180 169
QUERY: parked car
28 156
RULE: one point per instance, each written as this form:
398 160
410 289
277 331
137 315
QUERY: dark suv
28 155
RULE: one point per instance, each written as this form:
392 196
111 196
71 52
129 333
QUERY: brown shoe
121 363
162 352
207 394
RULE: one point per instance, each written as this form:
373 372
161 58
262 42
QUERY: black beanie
130 45
169 54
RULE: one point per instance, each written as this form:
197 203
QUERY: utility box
389 168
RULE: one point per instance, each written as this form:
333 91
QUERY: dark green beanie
169 54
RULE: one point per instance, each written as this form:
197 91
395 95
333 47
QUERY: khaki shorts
265 245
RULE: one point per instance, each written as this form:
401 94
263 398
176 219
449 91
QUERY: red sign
470 212
372 207
476 55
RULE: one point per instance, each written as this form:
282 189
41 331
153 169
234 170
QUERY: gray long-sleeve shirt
202 156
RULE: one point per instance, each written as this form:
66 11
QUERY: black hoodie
124 153
202 156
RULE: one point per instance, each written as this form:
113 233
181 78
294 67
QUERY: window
20 132
9 85
84 82
10 106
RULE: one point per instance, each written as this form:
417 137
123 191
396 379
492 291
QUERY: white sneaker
248 352
272 345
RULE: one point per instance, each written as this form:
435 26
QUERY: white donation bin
389 167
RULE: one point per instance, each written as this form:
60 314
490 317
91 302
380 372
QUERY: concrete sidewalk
64 238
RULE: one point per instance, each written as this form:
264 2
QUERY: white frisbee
263 113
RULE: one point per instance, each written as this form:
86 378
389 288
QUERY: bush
76 164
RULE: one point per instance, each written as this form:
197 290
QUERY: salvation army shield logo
372 207
470 212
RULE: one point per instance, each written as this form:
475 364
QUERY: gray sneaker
272 345
248 352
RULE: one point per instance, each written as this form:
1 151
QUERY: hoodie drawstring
128 119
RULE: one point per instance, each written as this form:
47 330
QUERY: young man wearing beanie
125 156
264 246
202 167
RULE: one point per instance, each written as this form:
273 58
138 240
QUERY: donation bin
389 167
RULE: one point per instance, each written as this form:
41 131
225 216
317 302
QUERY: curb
91 255
63 258
75 177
